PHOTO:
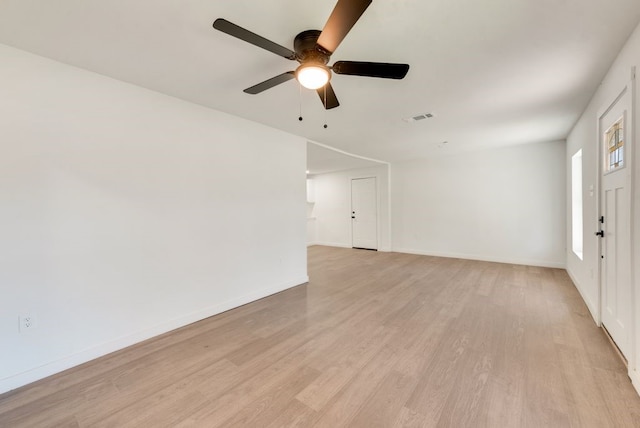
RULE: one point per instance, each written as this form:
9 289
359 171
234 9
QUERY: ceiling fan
313 48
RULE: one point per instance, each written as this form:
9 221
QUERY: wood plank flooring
374 340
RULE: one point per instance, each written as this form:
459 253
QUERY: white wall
311 199
125 213
584 136
505 205
332 207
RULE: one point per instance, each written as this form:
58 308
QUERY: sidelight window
576 203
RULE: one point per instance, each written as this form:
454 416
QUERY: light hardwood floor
375 339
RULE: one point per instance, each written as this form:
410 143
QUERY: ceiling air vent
418 117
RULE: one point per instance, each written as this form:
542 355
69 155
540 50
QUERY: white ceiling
494 72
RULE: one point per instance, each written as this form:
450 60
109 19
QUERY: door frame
362 177
629 88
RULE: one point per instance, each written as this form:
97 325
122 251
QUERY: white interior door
615 262
364 213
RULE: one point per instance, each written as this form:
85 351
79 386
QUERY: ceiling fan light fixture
313 76
313 49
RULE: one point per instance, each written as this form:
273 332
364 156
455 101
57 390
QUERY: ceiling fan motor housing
307 49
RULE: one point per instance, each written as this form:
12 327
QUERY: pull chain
300 101
325 106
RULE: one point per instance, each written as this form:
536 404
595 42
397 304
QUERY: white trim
332 244
635 379
88 354
634 277
525 262
389 209
590 305
633 358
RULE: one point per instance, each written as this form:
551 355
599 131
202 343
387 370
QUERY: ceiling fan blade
332 100
249 37
270 83
342 19
371 69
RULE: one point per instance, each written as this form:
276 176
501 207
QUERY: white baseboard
526 262
585 298
332 244
635 379
88 354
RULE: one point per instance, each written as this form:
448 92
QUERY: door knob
600 233
353 216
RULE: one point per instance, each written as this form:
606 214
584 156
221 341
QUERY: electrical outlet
27 322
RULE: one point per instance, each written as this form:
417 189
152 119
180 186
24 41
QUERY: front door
364 213
615 203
